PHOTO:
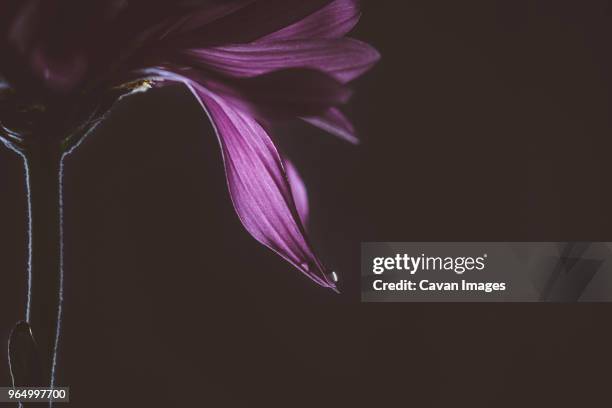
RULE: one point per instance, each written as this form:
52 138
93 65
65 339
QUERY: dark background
485 120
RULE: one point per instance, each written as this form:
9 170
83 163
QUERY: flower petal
259 186
60 74
281 94
257 180
298 189
206 15
333 21
345 59
334 122
250 23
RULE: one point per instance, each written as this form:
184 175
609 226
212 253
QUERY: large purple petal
257 180
259 187
334 122
333 21
345 59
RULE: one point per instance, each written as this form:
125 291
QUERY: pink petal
333 21
259 186
334 122
345 59
257 180
250 23
298 189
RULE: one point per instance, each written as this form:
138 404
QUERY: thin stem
45 276
33 344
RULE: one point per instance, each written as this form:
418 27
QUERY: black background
485 120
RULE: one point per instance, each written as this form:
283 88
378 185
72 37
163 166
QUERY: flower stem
43 160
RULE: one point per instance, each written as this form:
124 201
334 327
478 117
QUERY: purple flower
248 63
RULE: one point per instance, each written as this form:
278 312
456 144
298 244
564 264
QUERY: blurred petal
59 73
256 20
332 21
334 122
298 189
208 14
345 59
21 29
280 95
